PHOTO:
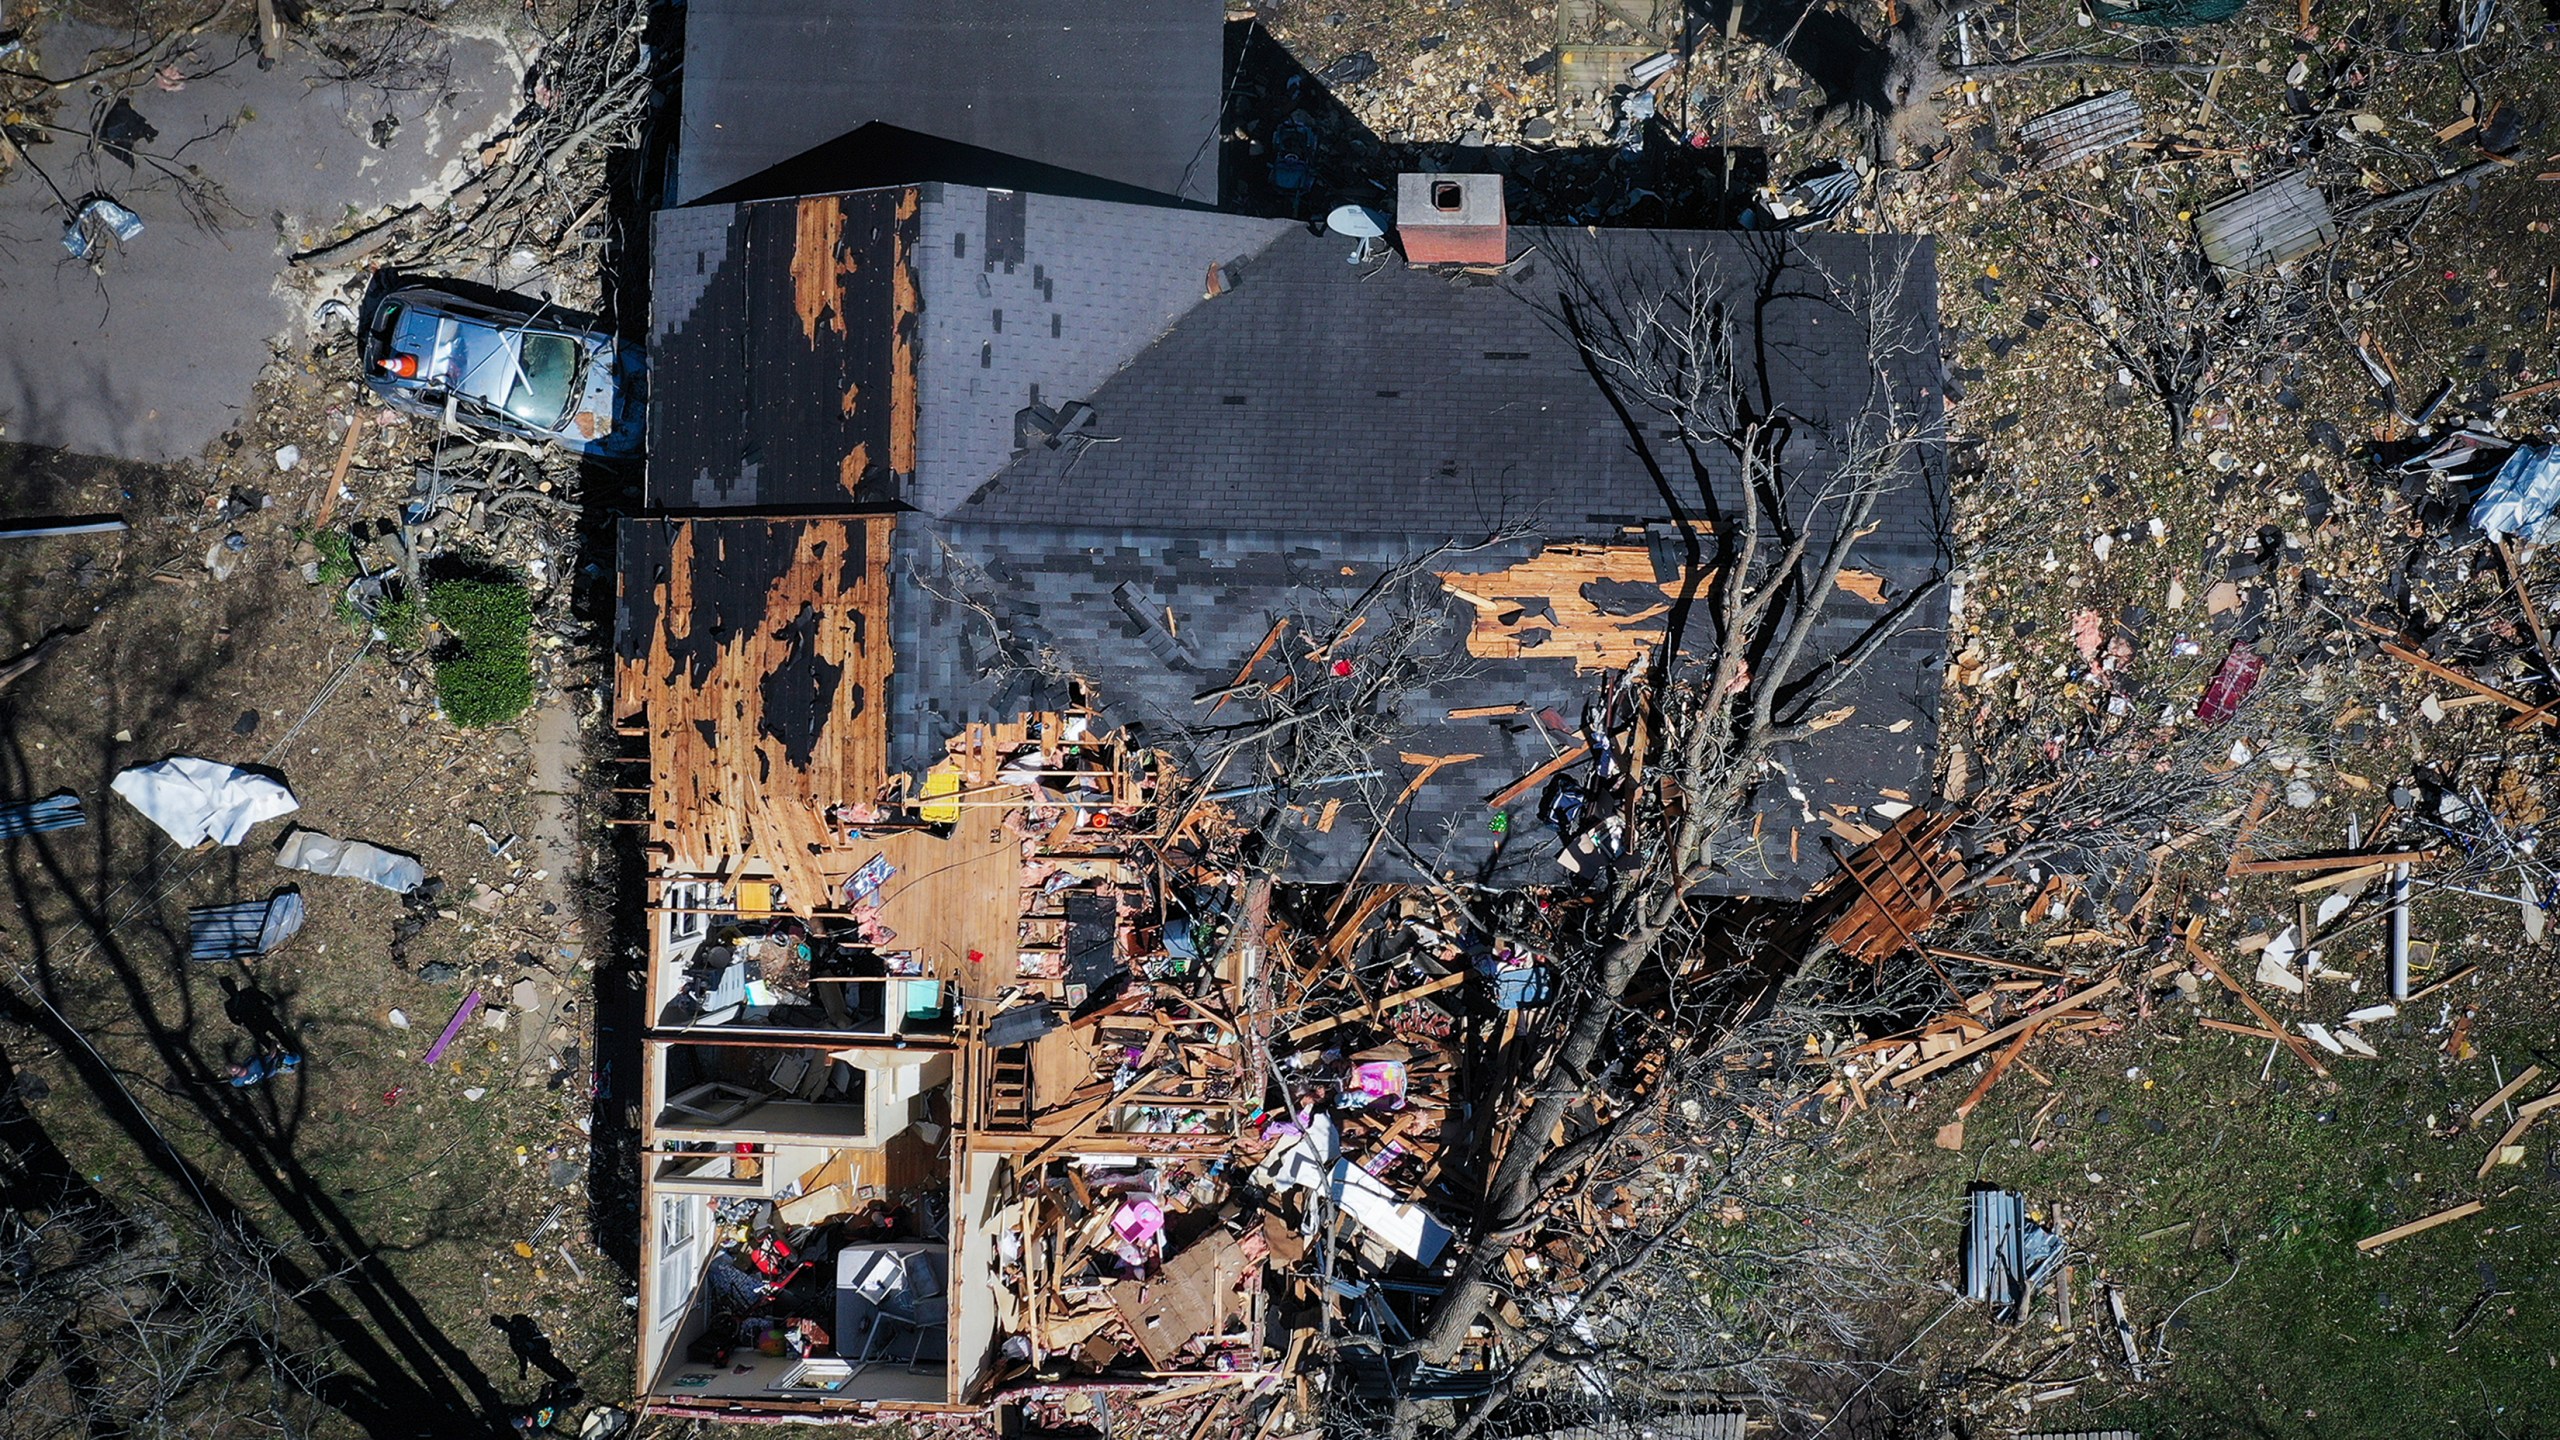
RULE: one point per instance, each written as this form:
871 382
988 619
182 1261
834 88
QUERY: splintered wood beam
2086 995
1999 1067
2451 676
2371 1243
2233 1027
2526 1114
1431 765
2299 864
1377 1007
2505 1093
1538 777
2301 1048
1244 672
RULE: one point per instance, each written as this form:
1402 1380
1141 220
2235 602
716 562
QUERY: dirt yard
444 1194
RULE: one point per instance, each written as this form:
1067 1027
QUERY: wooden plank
1999 1067
2300 863
2088 993
1486 712
1431 765
2505 1093
2462 973
1245 671
2452 676
2232 1027
2371 1243
2525 1116
338 473
1379 1006
2301 1048
1537 777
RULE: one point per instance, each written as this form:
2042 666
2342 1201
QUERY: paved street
152 354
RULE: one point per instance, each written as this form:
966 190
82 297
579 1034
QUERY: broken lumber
2292 1042
2299 863
1999 1067
2525 1116
2009 1031
2505 1093
2447 673
1376 1007
1537 777
2232 1027
2371 1243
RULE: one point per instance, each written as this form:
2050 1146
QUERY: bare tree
1690 346
2141 286
140 1324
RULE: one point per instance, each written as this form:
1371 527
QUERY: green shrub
490 680
401 622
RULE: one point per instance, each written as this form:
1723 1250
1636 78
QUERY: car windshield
545 381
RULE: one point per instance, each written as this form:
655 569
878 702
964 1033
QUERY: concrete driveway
151 353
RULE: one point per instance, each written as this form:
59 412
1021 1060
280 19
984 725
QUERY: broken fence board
2300 863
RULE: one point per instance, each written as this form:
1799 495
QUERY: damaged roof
757 653
1125 91
1097 413
782 353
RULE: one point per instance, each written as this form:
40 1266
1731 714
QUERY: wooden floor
901 1170
950 897
1061 1064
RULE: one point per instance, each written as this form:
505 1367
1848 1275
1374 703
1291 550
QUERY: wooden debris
2086 996
2371 1243
2505 1093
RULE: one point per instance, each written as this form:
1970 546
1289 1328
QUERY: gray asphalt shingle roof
1270 449
1127 91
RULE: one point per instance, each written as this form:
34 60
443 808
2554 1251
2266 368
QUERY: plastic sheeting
2521 499
327 855
243 931
199 800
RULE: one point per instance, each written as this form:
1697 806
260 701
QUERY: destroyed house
981 449
959 498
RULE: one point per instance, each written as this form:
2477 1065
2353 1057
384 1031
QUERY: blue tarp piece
2521 499
251 928
53 812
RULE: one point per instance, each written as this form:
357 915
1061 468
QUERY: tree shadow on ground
98 967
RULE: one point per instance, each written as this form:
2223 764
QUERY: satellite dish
1356 222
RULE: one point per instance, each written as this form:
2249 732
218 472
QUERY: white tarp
199 800
327 855
1412 1230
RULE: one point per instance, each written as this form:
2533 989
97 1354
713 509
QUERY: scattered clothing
259 1069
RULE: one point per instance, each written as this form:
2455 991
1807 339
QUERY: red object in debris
403 365
2231 685
1342 669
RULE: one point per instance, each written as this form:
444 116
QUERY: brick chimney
1452 219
